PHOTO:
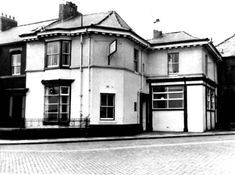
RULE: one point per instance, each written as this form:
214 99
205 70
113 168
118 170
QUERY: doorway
145 117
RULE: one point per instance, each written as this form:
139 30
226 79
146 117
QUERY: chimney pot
7 22
68 10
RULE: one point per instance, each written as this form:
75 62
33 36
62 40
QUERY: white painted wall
190 61
107 81
196 108
35 56
168 120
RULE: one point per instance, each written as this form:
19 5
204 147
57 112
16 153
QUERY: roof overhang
86 30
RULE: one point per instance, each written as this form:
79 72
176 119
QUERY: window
107 106
206 65
16 63
57 104
169 97
211 99
173 63
136 60
58 54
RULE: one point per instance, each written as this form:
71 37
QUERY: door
16 110
145 117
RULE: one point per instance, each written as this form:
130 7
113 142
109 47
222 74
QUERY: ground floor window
57 104
168 97
107 106
211 98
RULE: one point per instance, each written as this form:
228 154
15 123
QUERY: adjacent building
227 82
96 68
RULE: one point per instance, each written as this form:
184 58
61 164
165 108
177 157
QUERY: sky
211 19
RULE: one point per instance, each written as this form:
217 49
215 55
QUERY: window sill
107 121
57 67
169 109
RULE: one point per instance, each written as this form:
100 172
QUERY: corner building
96 67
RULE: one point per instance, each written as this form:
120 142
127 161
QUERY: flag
157 20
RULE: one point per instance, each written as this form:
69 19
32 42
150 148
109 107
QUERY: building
95 67
12 72
227 82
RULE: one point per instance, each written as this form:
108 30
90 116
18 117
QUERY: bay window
58 54
57 104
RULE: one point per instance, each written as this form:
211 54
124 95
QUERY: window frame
17 65
107 107
136 60
59 104
167 99
169 55
60 54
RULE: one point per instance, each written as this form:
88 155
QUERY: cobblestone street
191 155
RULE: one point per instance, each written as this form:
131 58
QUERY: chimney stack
68 10
157 34
7 22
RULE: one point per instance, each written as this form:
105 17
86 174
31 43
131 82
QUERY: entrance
145 117
16 111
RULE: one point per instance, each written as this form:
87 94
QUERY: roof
12 35
108 19
227 47
172 37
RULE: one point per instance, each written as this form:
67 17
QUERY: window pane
175 68
159 104
53 99
159 89
64 117
103 100
66 47
176 95
64 108
52 117
159 96
53 48
110 113
175 104
110 100
65 90
53 108
53 91
64 99
65 60
175 88
102 112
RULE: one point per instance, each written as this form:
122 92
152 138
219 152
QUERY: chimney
68 10
157 34
7 22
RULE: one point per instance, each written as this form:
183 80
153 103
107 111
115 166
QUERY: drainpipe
89 74
81 78
185 107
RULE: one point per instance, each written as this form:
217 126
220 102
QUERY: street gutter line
121 148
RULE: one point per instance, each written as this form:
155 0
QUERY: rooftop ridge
37 22
225 40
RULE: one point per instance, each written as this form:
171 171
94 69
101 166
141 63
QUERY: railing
73 123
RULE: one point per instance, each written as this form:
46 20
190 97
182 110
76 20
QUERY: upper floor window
136 60
173 63
58 54
16 63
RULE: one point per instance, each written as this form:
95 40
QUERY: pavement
144 135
